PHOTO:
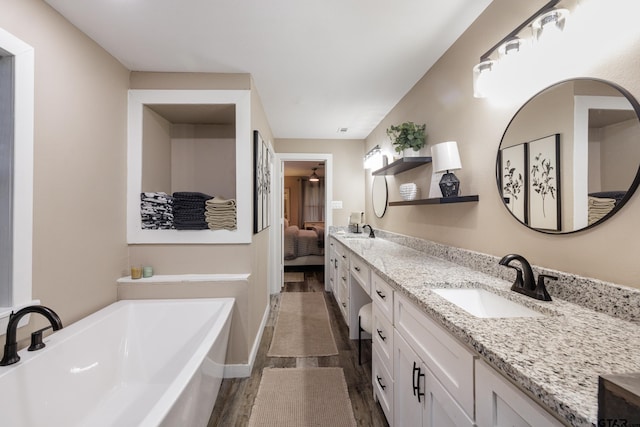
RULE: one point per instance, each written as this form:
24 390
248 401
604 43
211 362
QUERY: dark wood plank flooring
236 396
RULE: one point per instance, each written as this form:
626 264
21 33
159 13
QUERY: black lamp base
449 185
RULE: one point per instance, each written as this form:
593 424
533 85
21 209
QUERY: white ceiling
318 65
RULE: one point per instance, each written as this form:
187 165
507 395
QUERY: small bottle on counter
136 272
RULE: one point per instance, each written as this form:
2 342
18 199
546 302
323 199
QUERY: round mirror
570 157
379 195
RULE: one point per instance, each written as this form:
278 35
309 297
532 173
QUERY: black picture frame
262 160
544 201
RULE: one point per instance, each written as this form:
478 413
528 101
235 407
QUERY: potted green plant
407 136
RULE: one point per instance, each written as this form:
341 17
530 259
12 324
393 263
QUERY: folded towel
224 225
191 195
216 201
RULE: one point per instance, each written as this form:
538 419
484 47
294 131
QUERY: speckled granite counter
556 358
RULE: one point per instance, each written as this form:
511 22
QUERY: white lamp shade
445 156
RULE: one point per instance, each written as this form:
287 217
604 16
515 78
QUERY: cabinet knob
357 269
344 304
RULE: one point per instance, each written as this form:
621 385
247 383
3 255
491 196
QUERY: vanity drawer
361 272
343 296
382 385
382 296
450 362
382 335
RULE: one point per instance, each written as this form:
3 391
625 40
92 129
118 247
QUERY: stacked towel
156 211
221 214
189 210
599 207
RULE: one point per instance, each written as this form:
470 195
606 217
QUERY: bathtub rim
161 408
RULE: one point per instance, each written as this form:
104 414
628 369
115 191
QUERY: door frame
277 255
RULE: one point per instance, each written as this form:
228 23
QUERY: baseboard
243 370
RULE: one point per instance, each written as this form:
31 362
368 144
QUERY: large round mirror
379 195
570 157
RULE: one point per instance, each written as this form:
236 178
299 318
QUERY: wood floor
236 396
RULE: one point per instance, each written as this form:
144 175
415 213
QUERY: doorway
303 207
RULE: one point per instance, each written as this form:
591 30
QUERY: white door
277 226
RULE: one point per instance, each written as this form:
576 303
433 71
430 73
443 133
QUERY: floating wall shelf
401 165
437 201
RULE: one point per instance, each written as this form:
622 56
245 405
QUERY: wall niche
189 140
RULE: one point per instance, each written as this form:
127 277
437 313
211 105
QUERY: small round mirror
570 157
379 195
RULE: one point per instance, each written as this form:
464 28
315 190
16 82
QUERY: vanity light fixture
551 22
374 159
445 159
314 176
547 19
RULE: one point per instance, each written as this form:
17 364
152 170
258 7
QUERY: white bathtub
133 363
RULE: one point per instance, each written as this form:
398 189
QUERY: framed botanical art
513 180
544 183
262 160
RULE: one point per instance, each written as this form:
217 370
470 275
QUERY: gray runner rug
307 397
302 328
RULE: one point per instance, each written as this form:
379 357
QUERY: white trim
244 370
24 75
582 105
244 173
178 278
328 214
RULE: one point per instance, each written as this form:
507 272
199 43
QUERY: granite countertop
556 358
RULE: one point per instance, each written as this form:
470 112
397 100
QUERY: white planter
410 152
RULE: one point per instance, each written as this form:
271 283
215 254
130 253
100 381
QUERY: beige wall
184 259
79 246
443 99
156 149
348 173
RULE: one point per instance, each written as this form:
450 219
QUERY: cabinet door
500 403
408 388
333 268
441 408
444 355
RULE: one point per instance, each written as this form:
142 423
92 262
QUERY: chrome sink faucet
371 234
525 282
11 346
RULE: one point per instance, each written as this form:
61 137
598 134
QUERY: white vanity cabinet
359 290
420 399
333 265
382 344
342 280
500 403
433 372
422 374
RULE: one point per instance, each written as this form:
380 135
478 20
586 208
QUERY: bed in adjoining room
303 247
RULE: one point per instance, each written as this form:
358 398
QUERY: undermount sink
483 303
